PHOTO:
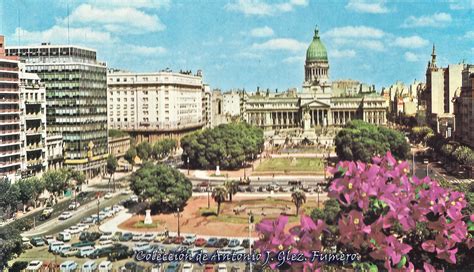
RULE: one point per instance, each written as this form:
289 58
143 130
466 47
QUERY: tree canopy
161 186
359 140
227 145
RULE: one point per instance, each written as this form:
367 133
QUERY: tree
219 194
144 150
27 189
232 188
9 196
299 198
112 165
359 140
421 134
56 181
10 245
329 213
161 186
228 146
130 155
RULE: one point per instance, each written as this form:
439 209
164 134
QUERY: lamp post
179 231
98 210
250 234
188 165
413 164
318 189
208 194
252 161
427 169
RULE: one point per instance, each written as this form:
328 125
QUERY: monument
148 220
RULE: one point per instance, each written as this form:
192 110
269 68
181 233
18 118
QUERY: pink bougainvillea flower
395 249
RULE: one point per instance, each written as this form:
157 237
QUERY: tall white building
155 105
231 103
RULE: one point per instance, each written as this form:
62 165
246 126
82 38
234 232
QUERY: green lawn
291 165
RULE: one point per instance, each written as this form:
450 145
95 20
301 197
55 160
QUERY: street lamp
427 169
208 194
179 231
188 165
413 164
98 210
318 189
252 162
251 220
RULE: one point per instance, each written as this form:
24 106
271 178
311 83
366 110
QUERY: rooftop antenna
19 26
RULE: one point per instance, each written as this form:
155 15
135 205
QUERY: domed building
317 65
319 104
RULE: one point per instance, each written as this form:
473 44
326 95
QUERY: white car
117 208
106 236
187 267
34 265
189 239
73 230
82 227
108 196
222 268
134 198
141 246
137 237
65 215
238 250
74 205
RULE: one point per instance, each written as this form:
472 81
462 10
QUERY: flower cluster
387 215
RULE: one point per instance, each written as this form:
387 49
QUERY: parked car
88 220
212 242
64 236
148 237
55 246
82 227
178 240
160 237
83 244
120 253
48 239
127 236
187 267
222 267
234 243
209 268
65 215
69 252
238 250
100 252
189 239
106 236
18 266
142 246
85 251
89 266
74 205
108 196
37 241
137 237
245 243
173 267
167 240
105 266
34 265
73 230
68 266
222 242
89 236
117 236
200 242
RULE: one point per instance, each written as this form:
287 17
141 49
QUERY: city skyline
266 50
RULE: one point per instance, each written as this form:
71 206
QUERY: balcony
9 90
9 79
9 69
9 121
4 164
9 131
33 116
9 101
9 111
33 131
7 153
34 147
37 162
9 142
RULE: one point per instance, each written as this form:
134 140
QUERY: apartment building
76 91
33 123
150 106
464 108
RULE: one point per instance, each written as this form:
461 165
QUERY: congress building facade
319 98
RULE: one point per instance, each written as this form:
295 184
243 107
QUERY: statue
306 120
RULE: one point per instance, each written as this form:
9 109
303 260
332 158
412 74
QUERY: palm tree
219 195
231 188
299 198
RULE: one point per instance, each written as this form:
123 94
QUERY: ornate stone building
272 111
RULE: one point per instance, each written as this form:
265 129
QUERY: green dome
316 50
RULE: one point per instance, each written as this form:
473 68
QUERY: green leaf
402 262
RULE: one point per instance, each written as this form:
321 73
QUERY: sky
250 43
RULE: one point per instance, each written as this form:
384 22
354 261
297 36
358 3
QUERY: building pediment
316 104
